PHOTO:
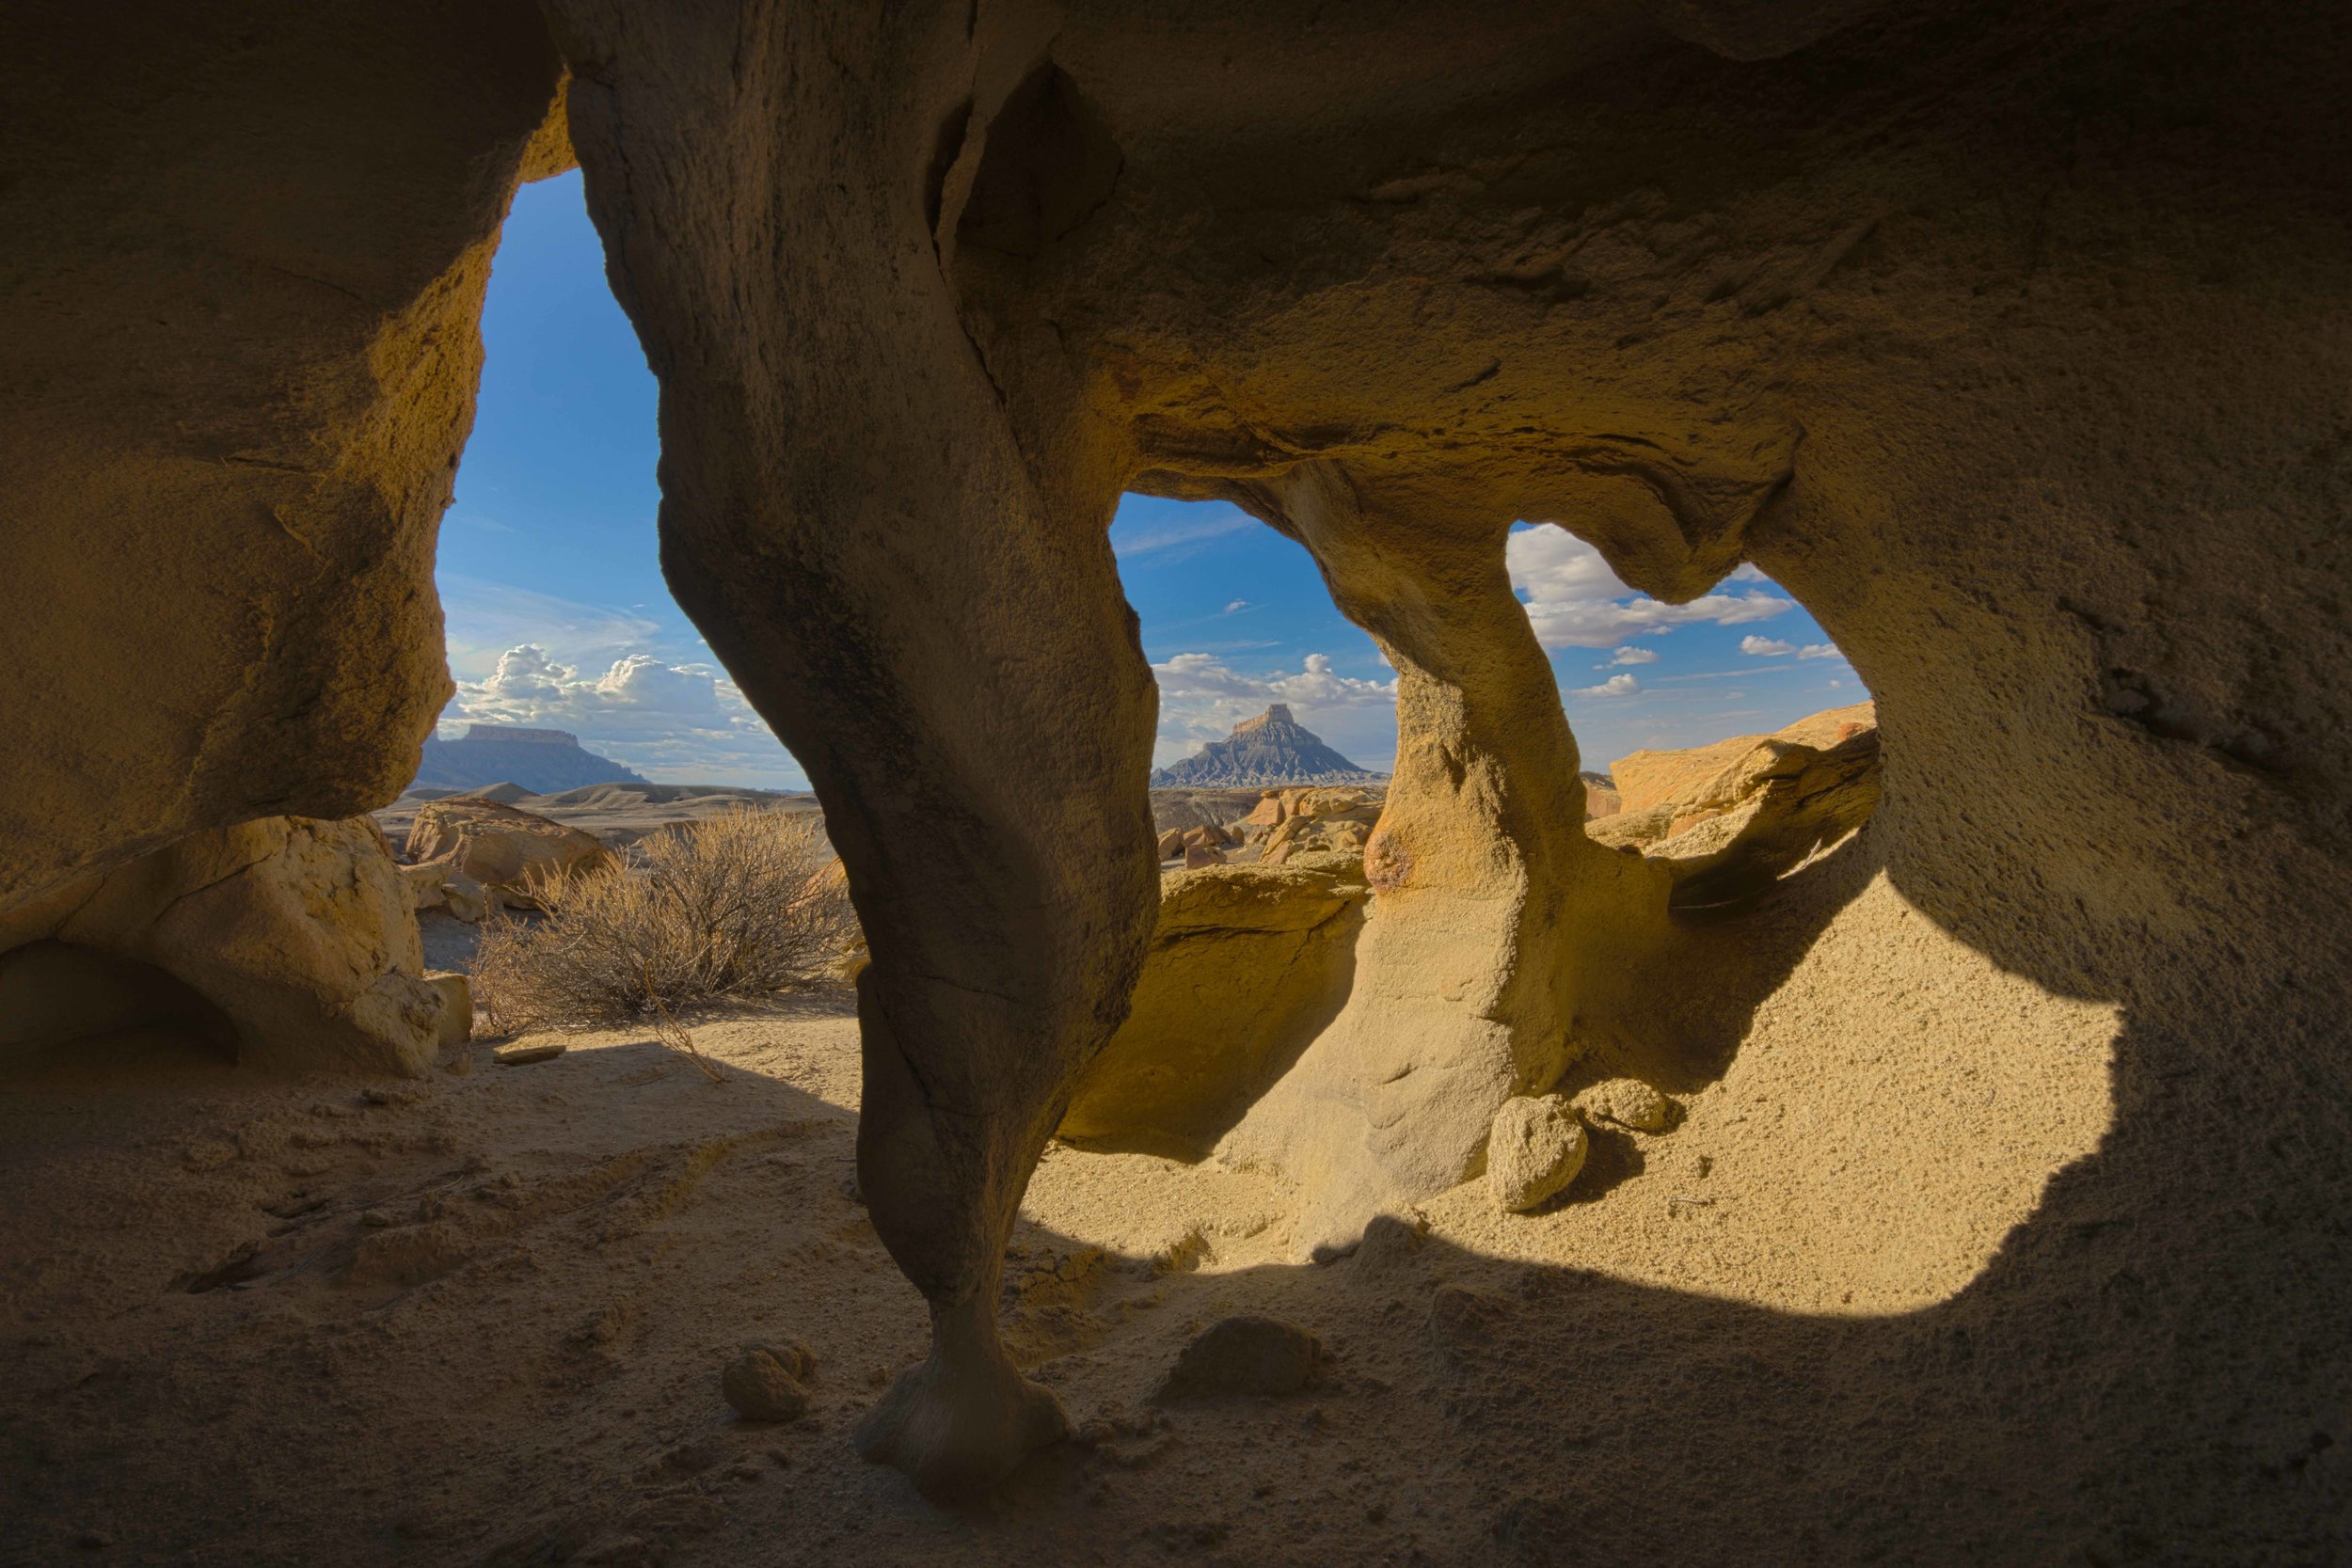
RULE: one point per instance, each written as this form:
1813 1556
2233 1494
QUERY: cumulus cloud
1615 686
1575 601
486 618
655 716
1819 649
1631 656
1765 647
1202 698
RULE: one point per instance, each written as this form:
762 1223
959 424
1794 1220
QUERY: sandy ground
480 1319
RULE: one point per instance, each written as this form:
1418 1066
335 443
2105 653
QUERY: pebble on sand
764 1383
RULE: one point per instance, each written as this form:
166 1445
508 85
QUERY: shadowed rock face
2009 337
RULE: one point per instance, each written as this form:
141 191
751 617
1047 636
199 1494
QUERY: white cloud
680 720
1631 656
486 619
1575 601
1615 686
1819 649
1202 698
1765 647
1237 606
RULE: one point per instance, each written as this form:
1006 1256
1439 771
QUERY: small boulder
1172 844
464 899
1199 855
1629 1103
1268 812
1534 1150
529 1052
425 884
457 1004
765 1383
500 846
1244 1355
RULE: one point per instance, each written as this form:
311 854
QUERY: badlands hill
540 761
1269 750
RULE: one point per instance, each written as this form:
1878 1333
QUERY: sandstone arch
2009 337
1499 943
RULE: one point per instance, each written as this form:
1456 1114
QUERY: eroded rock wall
242 256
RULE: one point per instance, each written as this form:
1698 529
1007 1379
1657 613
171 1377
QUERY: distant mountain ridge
542 761
1270 751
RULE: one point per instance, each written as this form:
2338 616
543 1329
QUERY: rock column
1499 931
922 604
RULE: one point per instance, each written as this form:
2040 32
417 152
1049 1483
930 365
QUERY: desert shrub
736 905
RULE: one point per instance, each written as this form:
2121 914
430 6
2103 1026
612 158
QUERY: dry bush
736 905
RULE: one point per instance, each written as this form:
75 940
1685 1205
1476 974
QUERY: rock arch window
1726 737
556 617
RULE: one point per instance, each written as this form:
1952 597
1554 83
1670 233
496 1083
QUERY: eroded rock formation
2009 337
1247 965
1727 819
301 935
502 848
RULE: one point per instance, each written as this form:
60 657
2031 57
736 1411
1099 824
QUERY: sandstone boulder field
1991 1207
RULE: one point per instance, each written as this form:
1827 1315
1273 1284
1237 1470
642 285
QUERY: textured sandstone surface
302 935
1725 819
2009 337
243 257
1247 965
1701 778
1536 1149
500 847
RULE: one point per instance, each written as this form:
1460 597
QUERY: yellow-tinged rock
1247 960
500 847
303 933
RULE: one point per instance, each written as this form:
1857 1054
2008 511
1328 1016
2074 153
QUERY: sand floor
481 1318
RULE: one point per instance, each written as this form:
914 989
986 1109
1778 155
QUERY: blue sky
558 615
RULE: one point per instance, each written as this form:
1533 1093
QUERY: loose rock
1533 1152
464 899
1244 1355
762 1388
536 1051
1629 1103
457 1004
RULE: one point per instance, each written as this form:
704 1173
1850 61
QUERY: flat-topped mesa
1271 750
517 732
541 761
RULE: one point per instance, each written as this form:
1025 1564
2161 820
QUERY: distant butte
1269 750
